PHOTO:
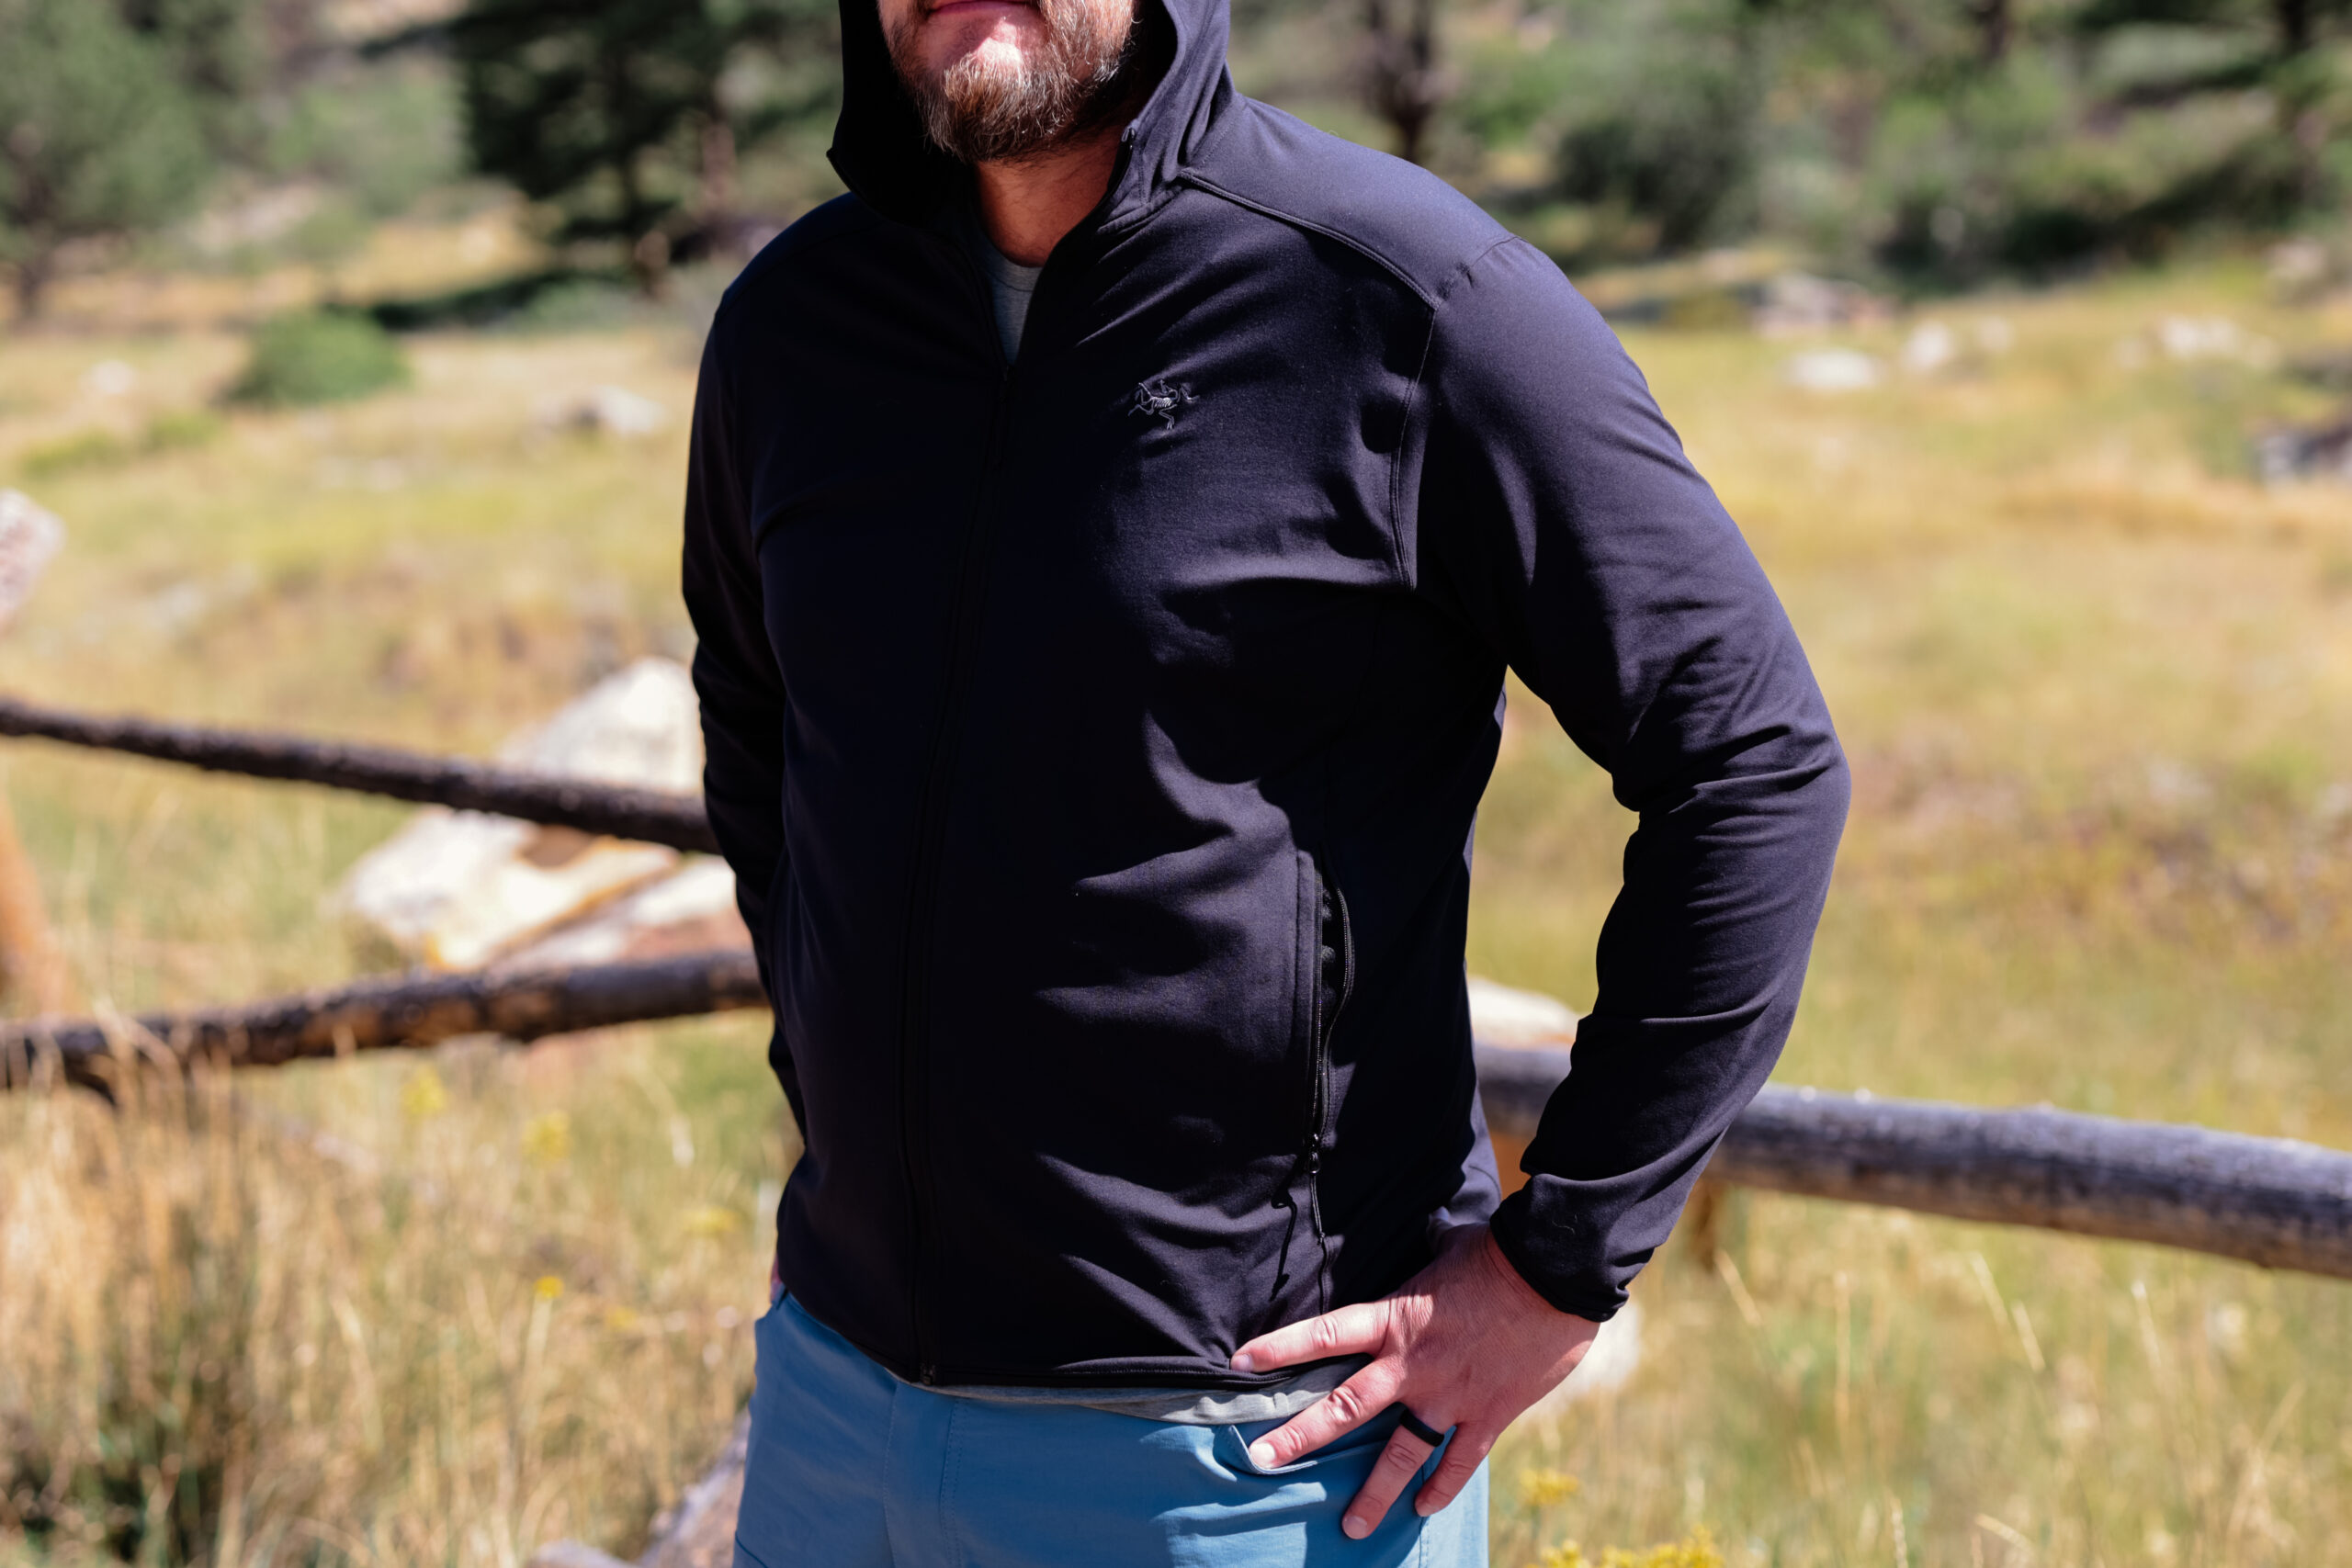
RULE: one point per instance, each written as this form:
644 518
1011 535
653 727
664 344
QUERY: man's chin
992 49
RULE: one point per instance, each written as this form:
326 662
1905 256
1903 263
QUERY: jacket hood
882 154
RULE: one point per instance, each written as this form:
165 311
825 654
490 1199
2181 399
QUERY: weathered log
648 815
2266 1200
376 1015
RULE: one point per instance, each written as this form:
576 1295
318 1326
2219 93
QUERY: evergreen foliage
1942 142
98 138
625 117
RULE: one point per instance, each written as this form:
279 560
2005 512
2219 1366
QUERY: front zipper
1333 947
914 1057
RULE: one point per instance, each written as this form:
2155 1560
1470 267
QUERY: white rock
1930 347
1833 370
1797 304
109 378
616 411
31 536
2186 339
642 726
456 889
1501 1015
2298 263
693 909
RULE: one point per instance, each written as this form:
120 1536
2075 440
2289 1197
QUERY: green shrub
318 358
83 449
182 429
2003 176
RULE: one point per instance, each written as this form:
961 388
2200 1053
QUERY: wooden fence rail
2264 1201
648 816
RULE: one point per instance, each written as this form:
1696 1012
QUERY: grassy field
2095 682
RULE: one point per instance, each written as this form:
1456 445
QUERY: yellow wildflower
1543 1488
712 1221
547 1139
548 1288
424 1095
1695 1550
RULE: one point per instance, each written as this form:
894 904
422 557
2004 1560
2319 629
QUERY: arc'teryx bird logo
1160 398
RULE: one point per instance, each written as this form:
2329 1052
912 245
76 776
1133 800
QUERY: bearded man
1109 527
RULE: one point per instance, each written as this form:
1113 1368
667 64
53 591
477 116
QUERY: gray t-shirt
1183 1406
1009 284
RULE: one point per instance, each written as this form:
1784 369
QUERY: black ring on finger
1419 1428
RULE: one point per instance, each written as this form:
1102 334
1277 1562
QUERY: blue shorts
850 1468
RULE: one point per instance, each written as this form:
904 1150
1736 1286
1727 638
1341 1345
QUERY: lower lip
979 7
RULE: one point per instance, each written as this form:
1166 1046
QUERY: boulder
2292 454
458 889
1797 304
1833 370
30 537
606 410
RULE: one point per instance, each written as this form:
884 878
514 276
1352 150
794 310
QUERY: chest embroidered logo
1160 398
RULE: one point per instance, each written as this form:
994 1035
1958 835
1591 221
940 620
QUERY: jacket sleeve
735 673
1561 520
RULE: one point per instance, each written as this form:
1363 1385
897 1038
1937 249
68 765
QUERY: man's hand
1466 1344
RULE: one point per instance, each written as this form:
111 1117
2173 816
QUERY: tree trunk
34 275
1405 89
715 202
2295 25
1996 23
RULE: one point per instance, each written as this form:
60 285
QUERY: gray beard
1082 79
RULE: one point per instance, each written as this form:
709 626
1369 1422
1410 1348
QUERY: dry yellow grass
2096 685
495 1306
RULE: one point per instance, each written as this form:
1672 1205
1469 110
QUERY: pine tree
96 136
617 114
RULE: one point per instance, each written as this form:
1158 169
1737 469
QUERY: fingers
1342 1411
1350 1331
1462 1456
1405 1454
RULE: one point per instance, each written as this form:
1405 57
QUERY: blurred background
352 343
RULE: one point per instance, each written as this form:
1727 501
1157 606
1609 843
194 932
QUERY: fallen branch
379 1015
648 815
2266 1200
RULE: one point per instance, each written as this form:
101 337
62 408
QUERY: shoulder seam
1462 269
1328 231
1413 395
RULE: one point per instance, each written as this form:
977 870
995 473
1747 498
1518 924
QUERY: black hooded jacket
1096 741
